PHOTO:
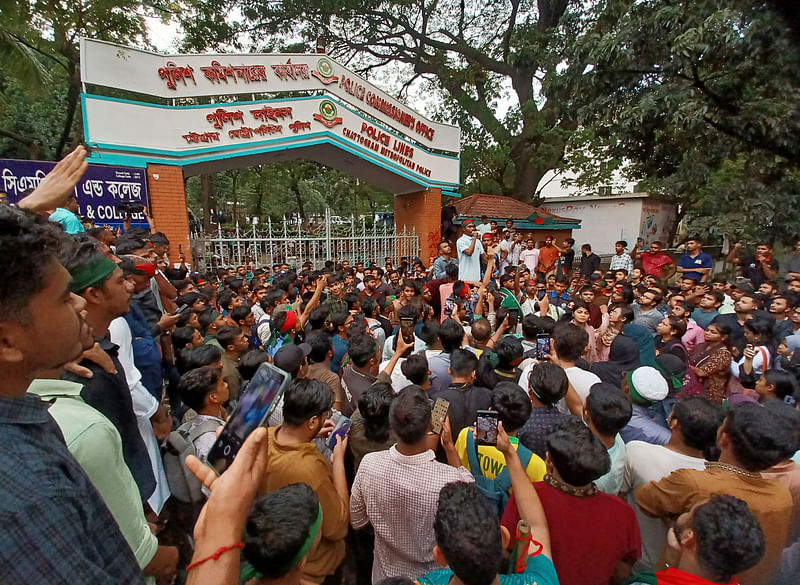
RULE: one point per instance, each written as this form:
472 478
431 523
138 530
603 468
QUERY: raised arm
312 304
58 184
528 502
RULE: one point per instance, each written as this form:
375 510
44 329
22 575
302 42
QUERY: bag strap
472 453
201 429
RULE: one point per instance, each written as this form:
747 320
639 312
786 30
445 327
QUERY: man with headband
470 253
56 528
281 529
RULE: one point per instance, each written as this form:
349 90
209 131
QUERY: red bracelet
220 551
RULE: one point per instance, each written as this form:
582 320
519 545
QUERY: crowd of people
647 428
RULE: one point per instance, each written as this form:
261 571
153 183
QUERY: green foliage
702 101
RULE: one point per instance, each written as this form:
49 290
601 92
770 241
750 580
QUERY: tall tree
475 51
701 100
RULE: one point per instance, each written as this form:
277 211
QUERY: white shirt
530 258
582 381
469 267
399 381
645 463
483 228
505 245
144 406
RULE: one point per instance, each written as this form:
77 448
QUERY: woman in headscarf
623 357
595 350
789 355
710 363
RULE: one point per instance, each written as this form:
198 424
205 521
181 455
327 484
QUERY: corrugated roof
500 208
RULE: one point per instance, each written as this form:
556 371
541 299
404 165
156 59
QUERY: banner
99 193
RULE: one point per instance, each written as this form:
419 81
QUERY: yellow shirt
493 461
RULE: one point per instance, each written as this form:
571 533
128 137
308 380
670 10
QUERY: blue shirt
69 221
702 318
55 527
642 427
339 351
702 260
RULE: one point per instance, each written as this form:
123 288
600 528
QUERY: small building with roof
527 218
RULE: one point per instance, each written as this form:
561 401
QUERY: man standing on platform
470 252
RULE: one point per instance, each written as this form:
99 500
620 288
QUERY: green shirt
95 442
540 571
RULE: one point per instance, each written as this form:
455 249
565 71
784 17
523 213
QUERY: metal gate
294 243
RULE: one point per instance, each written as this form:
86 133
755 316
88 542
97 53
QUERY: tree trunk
207 199
527 176
72 103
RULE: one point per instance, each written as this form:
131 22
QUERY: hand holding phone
438 414
254 407
339 431
486 428
542 346
407 329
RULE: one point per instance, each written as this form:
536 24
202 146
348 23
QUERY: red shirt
589 536
673 576
654 263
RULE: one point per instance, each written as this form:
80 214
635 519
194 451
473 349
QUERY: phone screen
340 430
438 413
407 329
541 293
486 428
513 319
542 345
255 405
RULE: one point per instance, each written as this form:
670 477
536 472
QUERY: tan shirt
769 500
322 372
303 463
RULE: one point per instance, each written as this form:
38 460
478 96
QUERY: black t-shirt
567 259
737 339
752 268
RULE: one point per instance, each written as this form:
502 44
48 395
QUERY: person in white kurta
144 406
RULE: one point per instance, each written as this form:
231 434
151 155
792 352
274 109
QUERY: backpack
496 490
182 483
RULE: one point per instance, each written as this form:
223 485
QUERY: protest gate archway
189 118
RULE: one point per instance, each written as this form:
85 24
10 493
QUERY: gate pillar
168 207
422 211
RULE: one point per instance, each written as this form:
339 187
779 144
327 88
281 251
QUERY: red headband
150 269
291 321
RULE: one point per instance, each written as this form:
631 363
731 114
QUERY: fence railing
294 243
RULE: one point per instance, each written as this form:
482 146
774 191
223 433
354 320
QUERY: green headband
250 572
634 392
98 269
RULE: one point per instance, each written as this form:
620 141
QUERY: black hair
784 382
320 344
627 296
250 361
533 325
699 419
358 326
202 355
351 299
128 245
481 329
788 415
467 531
338 319
626 312
462 362
729 537
512 405
609 407
578 456
361 349
271 299
206 318
548 382
569 341
318 317
277 527
227 336
368 306
196 384
415 368
451 334
451 271
187 299
240 313
374 406
757 441
225 298
305 398
410 414
429 332
181 337
763 326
